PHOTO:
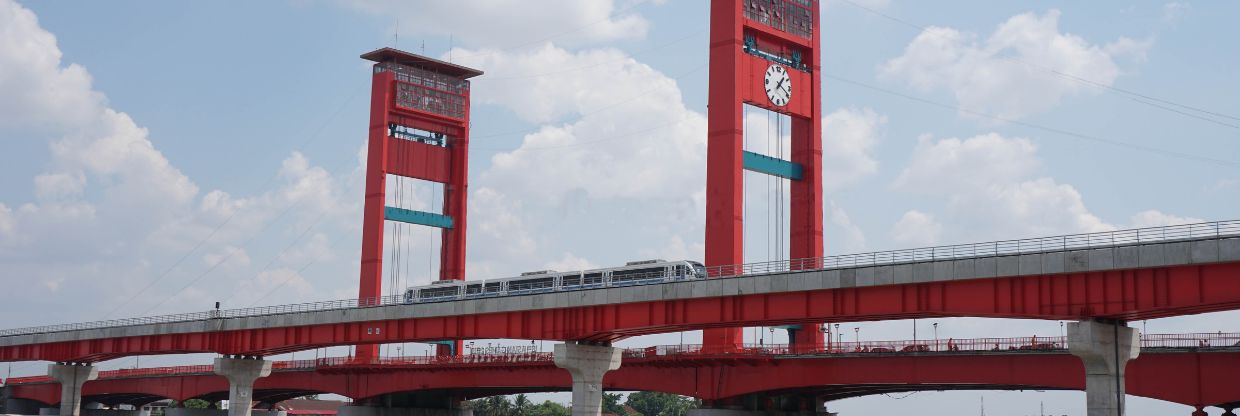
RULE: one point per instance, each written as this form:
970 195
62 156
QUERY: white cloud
945 165
647 141
282 281
850 238
917 228
675 249
228 256
992 189
494 22
38 91
317 247
1156 218
546 83
6 222
569 262
1007 74
498 220
58 186
849 136
112 213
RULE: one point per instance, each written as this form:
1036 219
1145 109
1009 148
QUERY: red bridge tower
764 53
419 128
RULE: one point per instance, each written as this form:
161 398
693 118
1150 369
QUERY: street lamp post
857 331
936 336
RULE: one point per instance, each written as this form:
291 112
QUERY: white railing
996 248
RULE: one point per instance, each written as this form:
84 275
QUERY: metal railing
996 248
1199 340
522 356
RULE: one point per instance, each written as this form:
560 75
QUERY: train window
531 284
571 280
438 292
592 278
644 273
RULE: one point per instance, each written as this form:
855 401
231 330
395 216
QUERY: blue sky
160 157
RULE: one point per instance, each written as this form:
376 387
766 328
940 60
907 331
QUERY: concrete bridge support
241 373
1105 349
71 377
587 364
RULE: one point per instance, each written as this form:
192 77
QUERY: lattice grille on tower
792 16
423 90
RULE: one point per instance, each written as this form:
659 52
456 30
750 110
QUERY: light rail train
631 274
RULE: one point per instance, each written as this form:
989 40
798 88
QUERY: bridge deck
1086 257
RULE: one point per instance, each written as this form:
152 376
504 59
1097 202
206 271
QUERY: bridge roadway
1120 276
1192 369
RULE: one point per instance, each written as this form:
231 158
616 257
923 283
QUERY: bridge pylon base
71 378
1105 349
241 374
587 364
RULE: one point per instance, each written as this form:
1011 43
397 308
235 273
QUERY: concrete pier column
1229 411
241 373
587 364
1105 349
1200 412
71 378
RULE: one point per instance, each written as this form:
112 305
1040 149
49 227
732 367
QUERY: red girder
1191 378
1126 294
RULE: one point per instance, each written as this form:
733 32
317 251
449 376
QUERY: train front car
694 270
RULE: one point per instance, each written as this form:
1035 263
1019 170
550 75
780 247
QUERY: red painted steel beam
725 141
1125 295
1191 378
418 160
806 195
370 280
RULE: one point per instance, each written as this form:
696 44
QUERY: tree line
643 403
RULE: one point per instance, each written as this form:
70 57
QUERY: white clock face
778 85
